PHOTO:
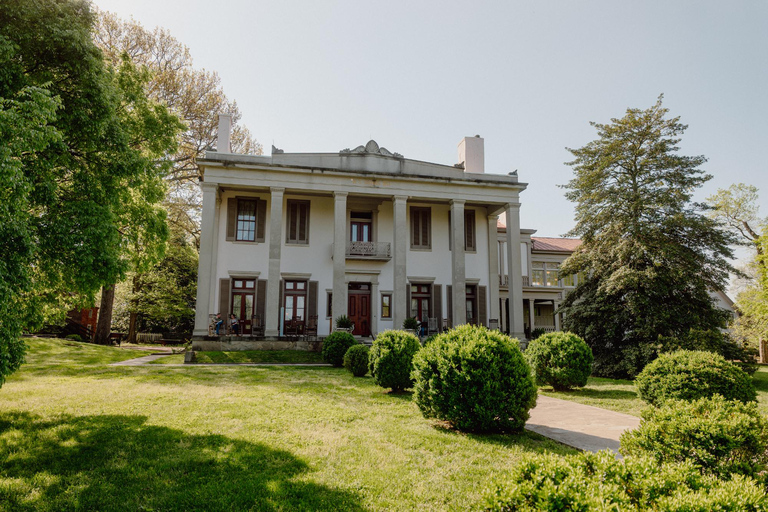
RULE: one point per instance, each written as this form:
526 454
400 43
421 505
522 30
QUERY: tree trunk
134 315
104 325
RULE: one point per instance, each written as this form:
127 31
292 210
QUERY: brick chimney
472 154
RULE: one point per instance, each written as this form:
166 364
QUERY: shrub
356 360
429 339
411 323
719 436
335 346
597 481
391 359
689 375
475 379
74 337
538 332
717 341
343 322
560 359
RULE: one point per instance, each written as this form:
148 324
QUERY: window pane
300 285
568 281
238 284
246 220
552 276
537 279
288 307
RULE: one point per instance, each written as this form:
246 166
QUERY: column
493 269
556 304
204 267
399 287
531 311
514 261
339 254
375 306
215 253
458 272
272 305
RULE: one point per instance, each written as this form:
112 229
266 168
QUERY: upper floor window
297 231
246 220
545 274
421 227
361 227
470 231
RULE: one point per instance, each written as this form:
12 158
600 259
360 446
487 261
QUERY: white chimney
225 128
472 154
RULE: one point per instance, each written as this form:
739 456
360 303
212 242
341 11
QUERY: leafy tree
650 253
74 158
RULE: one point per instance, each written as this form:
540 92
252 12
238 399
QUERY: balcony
378 251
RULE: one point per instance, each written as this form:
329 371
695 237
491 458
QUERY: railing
504 281
369 250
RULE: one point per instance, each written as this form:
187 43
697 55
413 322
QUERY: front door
242 303
359 308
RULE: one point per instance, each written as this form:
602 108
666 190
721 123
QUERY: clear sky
417 76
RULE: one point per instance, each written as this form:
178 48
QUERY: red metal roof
541 243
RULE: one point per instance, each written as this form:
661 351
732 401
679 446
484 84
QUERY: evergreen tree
649 253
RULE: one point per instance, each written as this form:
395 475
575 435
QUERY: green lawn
248 356
77 434
621 395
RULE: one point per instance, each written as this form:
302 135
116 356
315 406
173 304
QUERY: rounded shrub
719 436
598 481
689 375
476 379
335 345
391 359
560 359
74 337
356 360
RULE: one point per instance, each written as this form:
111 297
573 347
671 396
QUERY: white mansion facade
293 240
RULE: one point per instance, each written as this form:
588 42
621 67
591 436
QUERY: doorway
242 303
359 307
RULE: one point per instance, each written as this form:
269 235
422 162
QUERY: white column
215 251
272 305
556 304
204 270
339 254
375 306
531 314
517 328
458 282
399 287
493 268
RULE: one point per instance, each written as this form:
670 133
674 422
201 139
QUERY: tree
650 254
73 160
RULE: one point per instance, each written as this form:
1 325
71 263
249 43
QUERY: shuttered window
421 227
246 220
297 231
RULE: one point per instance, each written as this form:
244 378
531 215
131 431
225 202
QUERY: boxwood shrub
598 481
689 375
475 379
719 436
391 359
335 345
560 359
356 360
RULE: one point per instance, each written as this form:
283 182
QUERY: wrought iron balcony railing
369 250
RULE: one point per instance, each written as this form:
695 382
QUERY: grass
621 395
249 356
77 434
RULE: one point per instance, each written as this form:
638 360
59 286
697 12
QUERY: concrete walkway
140 361
582 426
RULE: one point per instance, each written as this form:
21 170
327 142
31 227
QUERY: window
361 227
294 300
569 280
386 305
246 220
421 227
472 304
545 274
470 231
329 305
420 299
297 231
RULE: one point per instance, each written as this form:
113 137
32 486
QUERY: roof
555 244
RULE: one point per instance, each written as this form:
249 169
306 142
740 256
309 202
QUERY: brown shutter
261 299
437 294
431 301
261 219
482 305
450 245
449 302
303 210
469 230
312 299
231 218
414 228
224 298
409 313
426 224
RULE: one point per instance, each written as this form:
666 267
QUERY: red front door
359 308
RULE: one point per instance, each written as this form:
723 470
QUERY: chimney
225 128
472 154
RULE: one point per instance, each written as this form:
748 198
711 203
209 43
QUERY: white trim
421 279
243 274
295 275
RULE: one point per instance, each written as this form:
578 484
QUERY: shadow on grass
760 379
596 392
121 463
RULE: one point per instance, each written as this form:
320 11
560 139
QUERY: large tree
75 160
649 253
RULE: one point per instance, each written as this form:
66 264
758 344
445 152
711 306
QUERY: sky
417 76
